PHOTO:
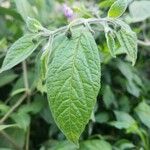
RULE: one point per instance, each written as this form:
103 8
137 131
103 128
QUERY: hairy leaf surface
73 81
110 43
128 41
19 51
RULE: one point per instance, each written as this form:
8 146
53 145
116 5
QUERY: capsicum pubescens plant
70 63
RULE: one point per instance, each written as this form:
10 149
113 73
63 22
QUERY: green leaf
128 41
110 43
33 25
143 111
25 9
139 10
95 145
109 97
2 127
124 144
73 81
118 8
134 84
7 77
124 121
19 51
22 120
102 117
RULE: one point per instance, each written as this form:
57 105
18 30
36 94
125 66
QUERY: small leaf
124 121
109 97
117 8
22 120
128 42
95 145
143 111
110 43
73 81
33 25
124 144
19 51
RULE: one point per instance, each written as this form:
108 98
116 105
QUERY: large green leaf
73 81
19 51
128 41
118 8
143 111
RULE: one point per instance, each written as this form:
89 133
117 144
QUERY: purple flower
68 12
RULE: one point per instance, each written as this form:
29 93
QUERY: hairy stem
75 23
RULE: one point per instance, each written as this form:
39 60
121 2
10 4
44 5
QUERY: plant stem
26 84
13 108
75 23
25 76
144 43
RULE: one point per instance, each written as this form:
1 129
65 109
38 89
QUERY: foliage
60 55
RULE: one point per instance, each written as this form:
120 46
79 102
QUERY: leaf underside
73 81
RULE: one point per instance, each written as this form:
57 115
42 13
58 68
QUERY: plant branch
13 108
75 23
144 43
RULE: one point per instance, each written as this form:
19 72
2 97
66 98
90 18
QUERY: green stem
145 144
26 84
13 108
75 23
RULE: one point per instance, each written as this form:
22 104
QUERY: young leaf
73 81
110 43
19 51
143 111
33 25
124 121
118 8
128 41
